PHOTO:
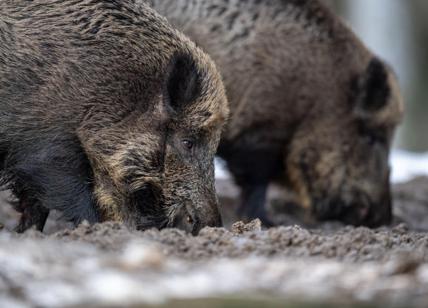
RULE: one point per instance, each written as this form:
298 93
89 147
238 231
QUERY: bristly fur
310 105
96 98
55 174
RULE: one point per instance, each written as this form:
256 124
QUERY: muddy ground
240 266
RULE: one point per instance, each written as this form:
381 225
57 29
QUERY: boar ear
184 81
371 91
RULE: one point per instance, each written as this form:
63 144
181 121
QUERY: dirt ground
241 265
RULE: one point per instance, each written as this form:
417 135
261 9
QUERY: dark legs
32 214
55 176
253 199
252 169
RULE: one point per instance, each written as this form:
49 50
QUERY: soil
298 264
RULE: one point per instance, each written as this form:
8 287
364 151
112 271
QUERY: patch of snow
407 165
221 171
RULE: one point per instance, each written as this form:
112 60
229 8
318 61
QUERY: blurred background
397 31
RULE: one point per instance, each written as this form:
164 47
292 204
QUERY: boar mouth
361 211
146 207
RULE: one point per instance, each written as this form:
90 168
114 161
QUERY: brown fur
310 105
107 113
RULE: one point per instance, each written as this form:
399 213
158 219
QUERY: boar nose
360 212
207 216
213 217
381 213
193 219
379 218
381 208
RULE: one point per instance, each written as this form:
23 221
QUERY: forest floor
242 265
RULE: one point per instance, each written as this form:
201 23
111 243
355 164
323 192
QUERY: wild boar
107 113
310 105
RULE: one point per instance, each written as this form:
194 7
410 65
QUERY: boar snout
192 220
362 211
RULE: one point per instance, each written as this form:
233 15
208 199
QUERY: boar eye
188 144
375 138
372 135
371 140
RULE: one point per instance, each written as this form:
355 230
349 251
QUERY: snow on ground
405 166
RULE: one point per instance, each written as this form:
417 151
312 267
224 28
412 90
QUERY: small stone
401 228
240 227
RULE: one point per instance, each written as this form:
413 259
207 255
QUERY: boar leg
252 167
253 198
55 175
32 214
